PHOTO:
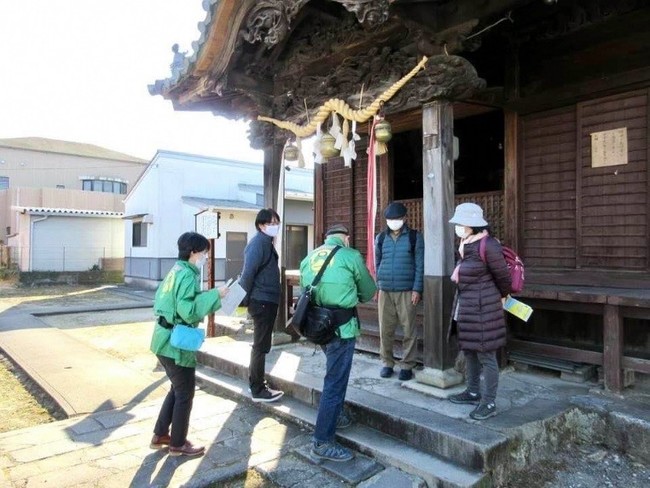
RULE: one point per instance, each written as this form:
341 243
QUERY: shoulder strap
380 244
322 268
413 238
481 248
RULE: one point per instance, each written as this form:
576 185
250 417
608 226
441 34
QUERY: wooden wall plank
606 195
548 156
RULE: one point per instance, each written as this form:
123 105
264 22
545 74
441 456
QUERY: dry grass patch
22 403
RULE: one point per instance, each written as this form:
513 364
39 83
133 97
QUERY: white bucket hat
469 215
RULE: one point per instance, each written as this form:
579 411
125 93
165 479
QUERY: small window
4 182
139 238
106 186
60 187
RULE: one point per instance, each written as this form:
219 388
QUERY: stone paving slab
117 454
353 471
393 478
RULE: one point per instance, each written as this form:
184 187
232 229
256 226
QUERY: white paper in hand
231 301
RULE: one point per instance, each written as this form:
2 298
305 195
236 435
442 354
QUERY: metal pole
211 328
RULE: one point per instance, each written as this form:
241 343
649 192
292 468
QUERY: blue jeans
339 355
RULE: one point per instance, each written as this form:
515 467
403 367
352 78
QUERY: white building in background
178 190
61 203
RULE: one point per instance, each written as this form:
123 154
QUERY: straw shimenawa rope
339 106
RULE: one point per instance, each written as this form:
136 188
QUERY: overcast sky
78 70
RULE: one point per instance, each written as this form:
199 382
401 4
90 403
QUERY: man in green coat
345 282
179 300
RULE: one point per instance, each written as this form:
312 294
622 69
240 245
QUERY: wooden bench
613 304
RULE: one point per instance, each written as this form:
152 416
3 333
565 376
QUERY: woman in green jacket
179 299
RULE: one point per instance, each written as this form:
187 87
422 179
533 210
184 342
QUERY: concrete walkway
79 377
113 406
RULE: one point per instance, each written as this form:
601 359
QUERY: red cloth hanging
371 202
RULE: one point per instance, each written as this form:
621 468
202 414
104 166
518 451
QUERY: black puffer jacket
477 307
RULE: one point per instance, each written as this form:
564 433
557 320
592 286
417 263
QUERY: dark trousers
176 408
486 363
263 314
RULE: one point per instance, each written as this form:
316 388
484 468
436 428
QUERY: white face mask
199 263
394 224
272 230
461 231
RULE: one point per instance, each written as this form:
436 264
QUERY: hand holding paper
234 295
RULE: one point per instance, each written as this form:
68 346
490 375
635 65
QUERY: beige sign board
609 147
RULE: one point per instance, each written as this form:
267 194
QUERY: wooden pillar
272 168
613 348
511 180
438 207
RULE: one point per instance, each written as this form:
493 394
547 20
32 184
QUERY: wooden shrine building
537 110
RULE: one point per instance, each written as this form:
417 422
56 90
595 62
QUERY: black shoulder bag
299 320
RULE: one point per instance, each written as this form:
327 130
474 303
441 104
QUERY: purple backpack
514 262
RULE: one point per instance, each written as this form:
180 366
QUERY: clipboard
231 301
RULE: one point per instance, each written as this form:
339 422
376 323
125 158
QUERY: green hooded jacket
180 300
344 284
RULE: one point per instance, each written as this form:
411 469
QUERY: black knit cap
395 211
337 229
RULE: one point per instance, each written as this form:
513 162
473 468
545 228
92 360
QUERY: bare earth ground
126 334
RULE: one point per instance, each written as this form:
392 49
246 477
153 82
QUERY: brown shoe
160 441
187 449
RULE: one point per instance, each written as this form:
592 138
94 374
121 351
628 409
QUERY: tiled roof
67 211
290 192
220 203
66 147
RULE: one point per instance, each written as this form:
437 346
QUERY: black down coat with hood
477 307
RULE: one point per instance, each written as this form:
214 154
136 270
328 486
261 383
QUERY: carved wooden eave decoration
205 76
273 57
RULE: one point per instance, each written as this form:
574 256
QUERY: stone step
467 444
388 450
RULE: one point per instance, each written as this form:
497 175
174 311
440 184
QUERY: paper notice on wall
518 309
609 147
231 301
